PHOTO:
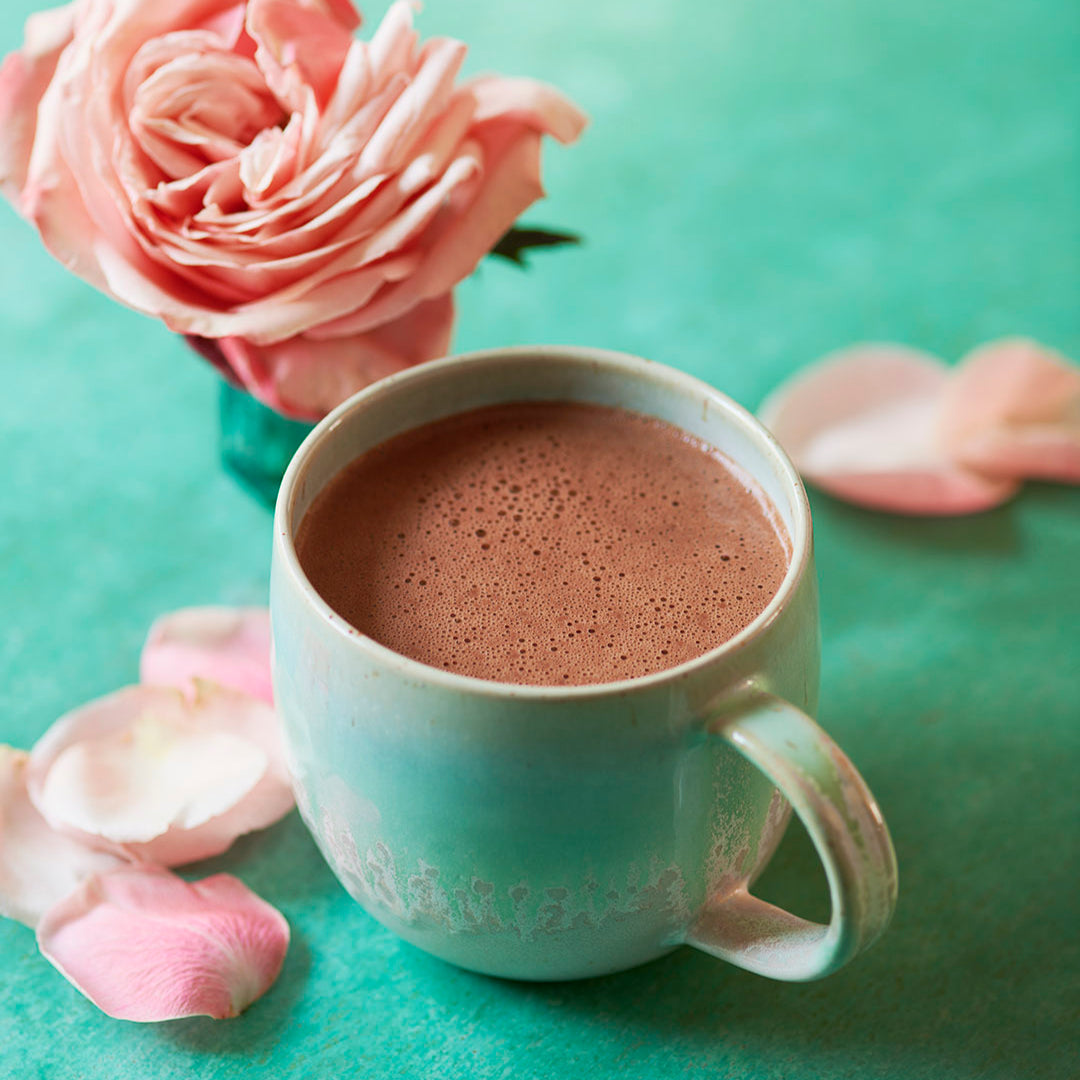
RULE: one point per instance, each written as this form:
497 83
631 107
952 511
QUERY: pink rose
252 174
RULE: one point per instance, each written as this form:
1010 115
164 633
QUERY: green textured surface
762 182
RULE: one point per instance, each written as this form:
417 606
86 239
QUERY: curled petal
306 377
228 26
456 242
161 778
862 425
229 646
299 45
1013 410
38 865
24 77
143 944
530 102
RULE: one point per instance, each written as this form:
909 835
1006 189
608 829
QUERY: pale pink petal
33 171
376 250
529 102
460 237
227 25
299 44
349 270
269 161
24 77
230 646
142 944
1013 410
862 425
418 106
69 195
436 149
1033 452
160 777
54 199
516 113
391 47
38 865
192 103
305 377
269 320
352 89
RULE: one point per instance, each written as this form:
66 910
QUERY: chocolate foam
545 543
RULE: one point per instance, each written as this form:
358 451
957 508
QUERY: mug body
527 831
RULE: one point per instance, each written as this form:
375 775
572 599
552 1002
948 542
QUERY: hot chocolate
550 543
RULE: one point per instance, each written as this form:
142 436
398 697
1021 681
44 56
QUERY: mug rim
637 367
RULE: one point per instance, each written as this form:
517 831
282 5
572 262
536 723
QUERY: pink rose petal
306 377
862 425
530 102
1013 410
38 865
159 777
24 77
142 944
227 24
1033 452
230 646
342 10
298 48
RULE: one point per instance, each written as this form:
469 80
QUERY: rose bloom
298 202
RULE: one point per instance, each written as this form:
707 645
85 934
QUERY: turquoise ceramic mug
559 832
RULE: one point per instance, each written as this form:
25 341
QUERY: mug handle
847 830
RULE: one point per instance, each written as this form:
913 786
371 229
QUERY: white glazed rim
632 366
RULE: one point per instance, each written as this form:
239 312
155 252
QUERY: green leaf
516 241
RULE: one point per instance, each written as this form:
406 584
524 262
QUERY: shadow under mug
542 832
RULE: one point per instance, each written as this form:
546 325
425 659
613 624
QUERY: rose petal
1013 410
1033 452
342 10
305 377
192 103
454 245
862 425
298 45
529 102
142 944
159 777
24 75
227 25
38 865
418 106
230 646
393 42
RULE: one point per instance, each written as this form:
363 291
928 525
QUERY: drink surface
548 543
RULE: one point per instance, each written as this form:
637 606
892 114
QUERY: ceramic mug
551 832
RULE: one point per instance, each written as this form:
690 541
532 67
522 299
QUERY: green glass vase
257 443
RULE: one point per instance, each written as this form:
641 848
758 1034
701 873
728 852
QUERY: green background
764 180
